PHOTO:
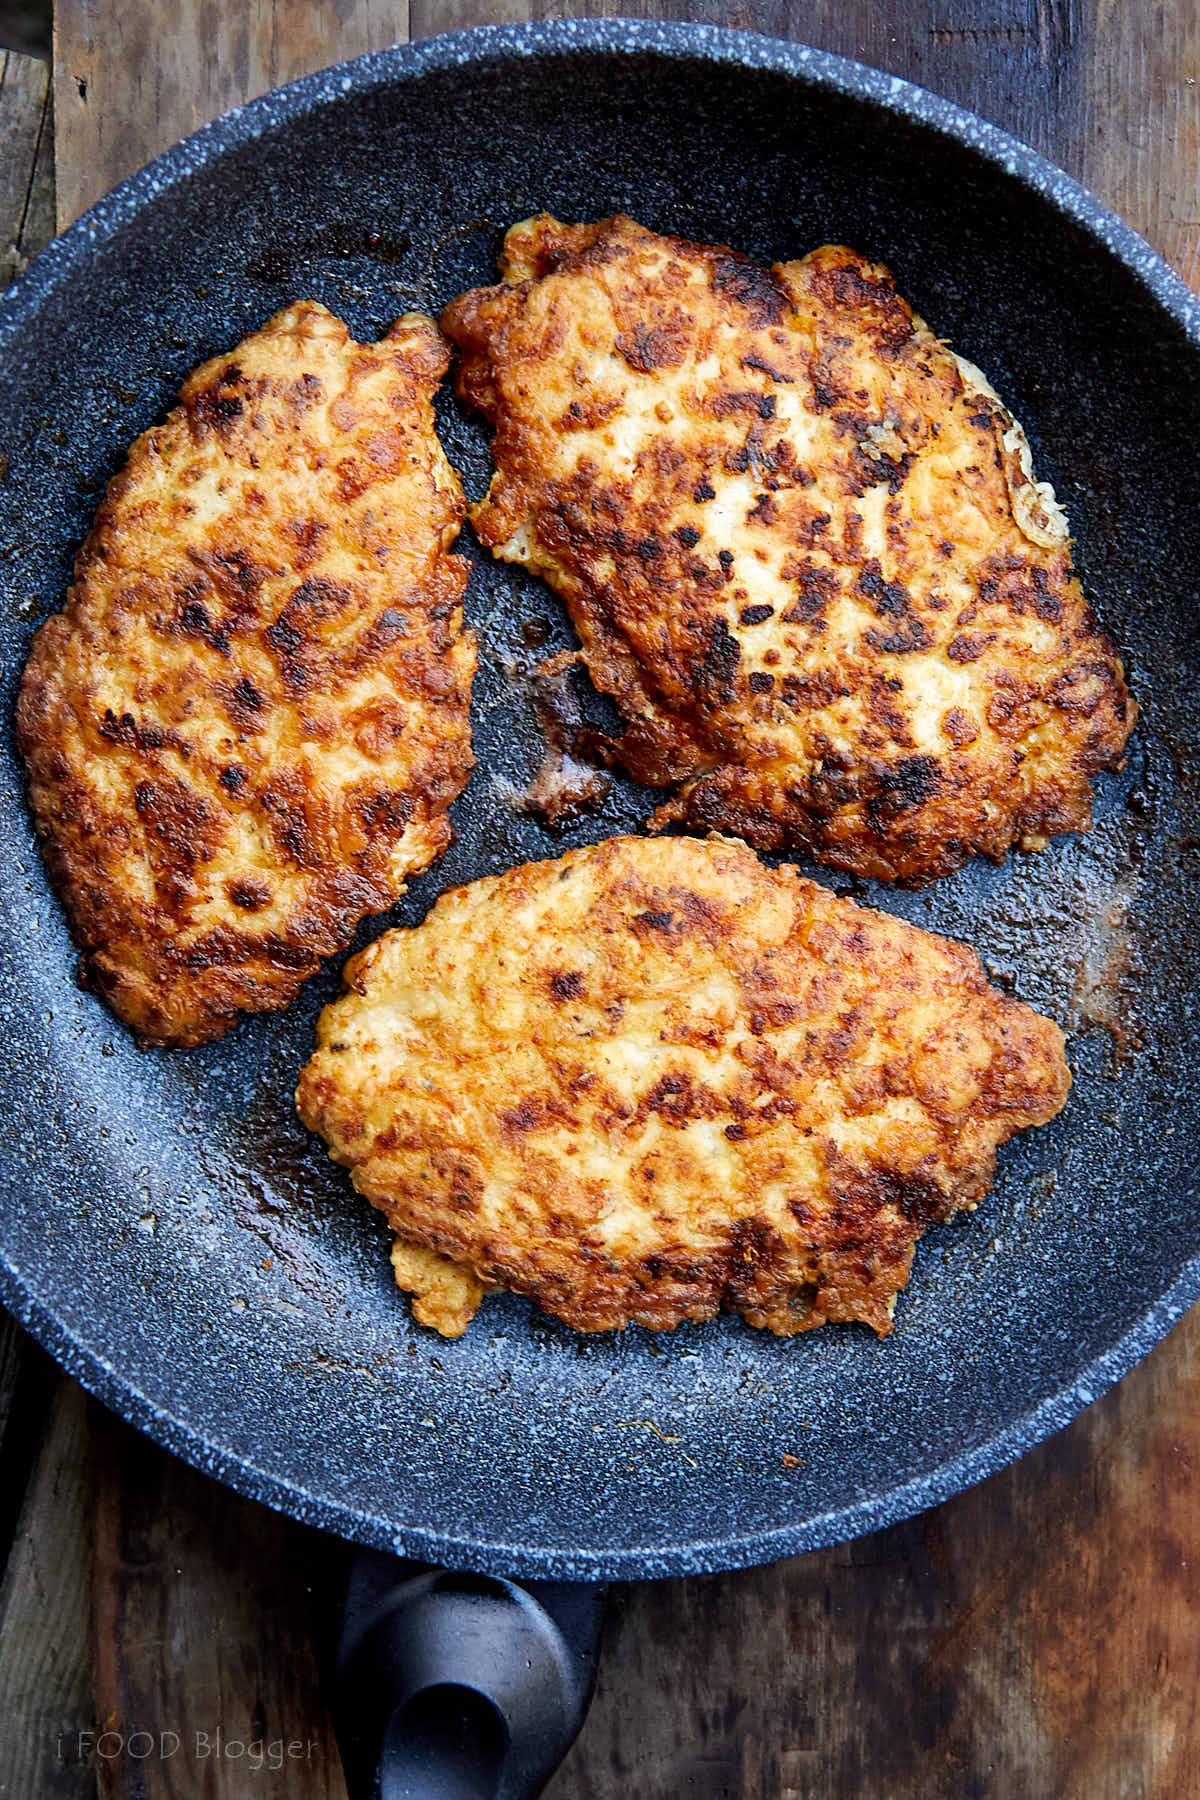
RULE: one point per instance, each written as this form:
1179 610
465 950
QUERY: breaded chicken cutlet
801 543
244 731
656 1078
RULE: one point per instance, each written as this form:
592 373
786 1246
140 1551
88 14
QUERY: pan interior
167 1224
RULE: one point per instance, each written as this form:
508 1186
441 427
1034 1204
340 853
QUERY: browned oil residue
563 784
1107 981
258 1204
260 1213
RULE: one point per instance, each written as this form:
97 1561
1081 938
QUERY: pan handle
460 1687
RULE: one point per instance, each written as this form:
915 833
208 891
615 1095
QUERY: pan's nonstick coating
168 1228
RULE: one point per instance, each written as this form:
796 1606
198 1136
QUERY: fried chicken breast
801 543
656 1078
244 731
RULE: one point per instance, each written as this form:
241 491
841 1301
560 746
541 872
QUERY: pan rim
68 256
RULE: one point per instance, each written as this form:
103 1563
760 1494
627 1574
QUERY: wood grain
129 79
201 1629
1138 143
45 1644
26 162
45 1664
1035 1637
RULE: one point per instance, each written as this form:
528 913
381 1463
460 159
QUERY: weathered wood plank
202 1630
40 221
45 1674
45 1645
26 180
1138 143
129 80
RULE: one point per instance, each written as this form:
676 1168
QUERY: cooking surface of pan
169 1230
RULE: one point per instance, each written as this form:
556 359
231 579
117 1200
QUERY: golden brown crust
446 1295
800 542
244 731
656 1078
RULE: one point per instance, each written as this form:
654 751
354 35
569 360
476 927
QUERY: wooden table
1039 1636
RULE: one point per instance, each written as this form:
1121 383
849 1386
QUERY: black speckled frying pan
168 1229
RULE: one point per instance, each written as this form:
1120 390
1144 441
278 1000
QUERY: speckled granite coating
169 1231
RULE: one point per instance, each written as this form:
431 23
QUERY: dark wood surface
1039 1636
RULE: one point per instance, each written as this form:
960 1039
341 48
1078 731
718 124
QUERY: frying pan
169 1231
